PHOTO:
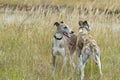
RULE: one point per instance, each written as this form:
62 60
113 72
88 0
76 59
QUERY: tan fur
85 39
72 43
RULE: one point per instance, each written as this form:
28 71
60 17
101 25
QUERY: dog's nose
72 32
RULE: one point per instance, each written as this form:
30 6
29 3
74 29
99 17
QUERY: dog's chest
59 43
58 47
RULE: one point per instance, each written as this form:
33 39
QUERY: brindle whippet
86 46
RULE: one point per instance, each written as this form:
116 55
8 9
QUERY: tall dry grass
25 45
112 4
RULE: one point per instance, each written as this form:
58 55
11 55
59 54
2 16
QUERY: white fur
80 30
59 46
58 35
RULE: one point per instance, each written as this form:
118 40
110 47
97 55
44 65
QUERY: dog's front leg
64 62
64 58
53 60
53 63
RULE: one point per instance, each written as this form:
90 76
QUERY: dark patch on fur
56 24
53 60
61 22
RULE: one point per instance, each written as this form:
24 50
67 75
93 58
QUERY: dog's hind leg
97 59
72 59
81 66
85 53
98 62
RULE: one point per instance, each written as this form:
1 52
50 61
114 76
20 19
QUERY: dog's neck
83 31
58 36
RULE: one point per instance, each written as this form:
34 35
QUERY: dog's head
84 24
63 28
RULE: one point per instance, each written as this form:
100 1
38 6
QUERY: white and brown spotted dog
85 47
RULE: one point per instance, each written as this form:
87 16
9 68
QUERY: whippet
59 43
86 46
72 48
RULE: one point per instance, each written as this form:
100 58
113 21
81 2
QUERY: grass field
25 43
112 4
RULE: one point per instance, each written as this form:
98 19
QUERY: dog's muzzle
66 34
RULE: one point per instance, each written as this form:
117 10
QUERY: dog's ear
85 22
61 22
56 24
80 23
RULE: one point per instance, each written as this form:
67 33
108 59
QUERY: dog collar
58 38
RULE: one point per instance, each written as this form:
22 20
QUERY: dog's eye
65 27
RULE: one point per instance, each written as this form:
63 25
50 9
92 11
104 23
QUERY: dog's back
86 39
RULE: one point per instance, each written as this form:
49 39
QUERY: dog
85 47
72 48
59 43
